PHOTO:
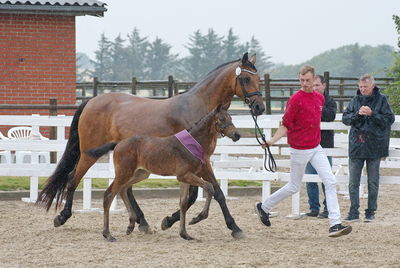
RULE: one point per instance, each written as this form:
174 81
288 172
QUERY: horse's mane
201 121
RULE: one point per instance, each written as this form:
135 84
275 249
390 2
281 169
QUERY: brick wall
37 60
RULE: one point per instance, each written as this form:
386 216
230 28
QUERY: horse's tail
102 150
57 182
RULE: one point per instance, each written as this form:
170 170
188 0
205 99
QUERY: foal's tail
102 150
57 182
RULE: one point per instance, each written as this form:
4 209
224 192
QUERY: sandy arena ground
28 238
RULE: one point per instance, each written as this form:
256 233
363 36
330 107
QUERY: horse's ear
245 58
253 59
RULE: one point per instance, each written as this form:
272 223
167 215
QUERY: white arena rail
242 160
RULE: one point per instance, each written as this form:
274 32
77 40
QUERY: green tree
393 91
119 66
103 62
136 54
231 49
357 64
159 60
192 64
263 63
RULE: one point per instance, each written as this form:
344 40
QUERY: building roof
53 7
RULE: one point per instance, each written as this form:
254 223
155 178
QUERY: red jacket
302 119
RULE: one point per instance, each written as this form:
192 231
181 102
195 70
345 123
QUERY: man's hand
365 110
268 143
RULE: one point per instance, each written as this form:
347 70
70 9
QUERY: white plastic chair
6 155
26 133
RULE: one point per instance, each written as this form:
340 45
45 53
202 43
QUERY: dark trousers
355 168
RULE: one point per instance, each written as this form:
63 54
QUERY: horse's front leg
204 213
183 208
168 221
208 175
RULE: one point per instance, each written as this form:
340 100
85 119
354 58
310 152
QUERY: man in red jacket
301 124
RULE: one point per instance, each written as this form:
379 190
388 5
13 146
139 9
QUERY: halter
246 95
257 130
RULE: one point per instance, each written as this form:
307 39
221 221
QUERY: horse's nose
258 109
236 136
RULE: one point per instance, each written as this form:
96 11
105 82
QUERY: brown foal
138 156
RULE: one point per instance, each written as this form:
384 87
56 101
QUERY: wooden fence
276 92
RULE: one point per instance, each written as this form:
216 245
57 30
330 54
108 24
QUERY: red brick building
37 51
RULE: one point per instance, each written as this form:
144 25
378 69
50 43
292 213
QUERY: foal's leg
183 202
109 195
193 180
168 221
143 225
204 213
85 162
131 212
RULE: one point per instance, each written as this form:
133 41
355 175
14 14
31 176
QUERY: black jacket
328 115
369 135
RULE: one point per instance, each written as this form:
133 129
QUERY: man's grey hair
367 77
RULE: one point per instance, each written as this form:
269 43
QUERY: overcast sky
290 31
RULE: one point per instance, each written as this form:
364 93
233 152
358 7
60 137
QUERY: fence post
133 89
53 130
170 86
341 95
326 78
267 86
95 86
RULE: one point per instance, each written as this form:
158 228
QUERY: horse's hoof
195 220
145 229
130 229
238 235
187 237
109 238
59 220
164 224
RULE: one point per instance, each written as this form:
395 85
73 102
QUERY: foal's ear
245 58
253 59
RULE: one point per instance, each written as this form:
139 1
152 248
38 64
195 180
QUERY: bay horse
112 117
137 157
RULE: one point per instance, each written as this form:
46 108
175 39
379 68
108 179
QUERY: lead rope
271 160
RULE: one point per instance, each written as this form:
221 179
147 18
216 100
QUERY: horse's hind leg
109 195
85 162
143 225
131 212
168 221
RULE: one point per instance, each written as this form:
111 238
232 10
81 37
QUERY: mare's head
246 85
224 125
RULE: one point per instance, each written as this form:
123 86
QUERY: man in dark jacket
328 115
370 118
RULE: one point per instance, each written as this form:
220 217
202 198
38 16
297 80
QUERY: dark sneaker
312 213
339 230
262 215
352 218
369 218
323 215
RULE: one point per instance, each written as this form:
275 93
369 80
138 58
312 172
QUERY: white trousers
299 160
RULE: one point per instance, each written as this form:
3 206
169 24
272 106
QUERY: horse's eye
247 80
